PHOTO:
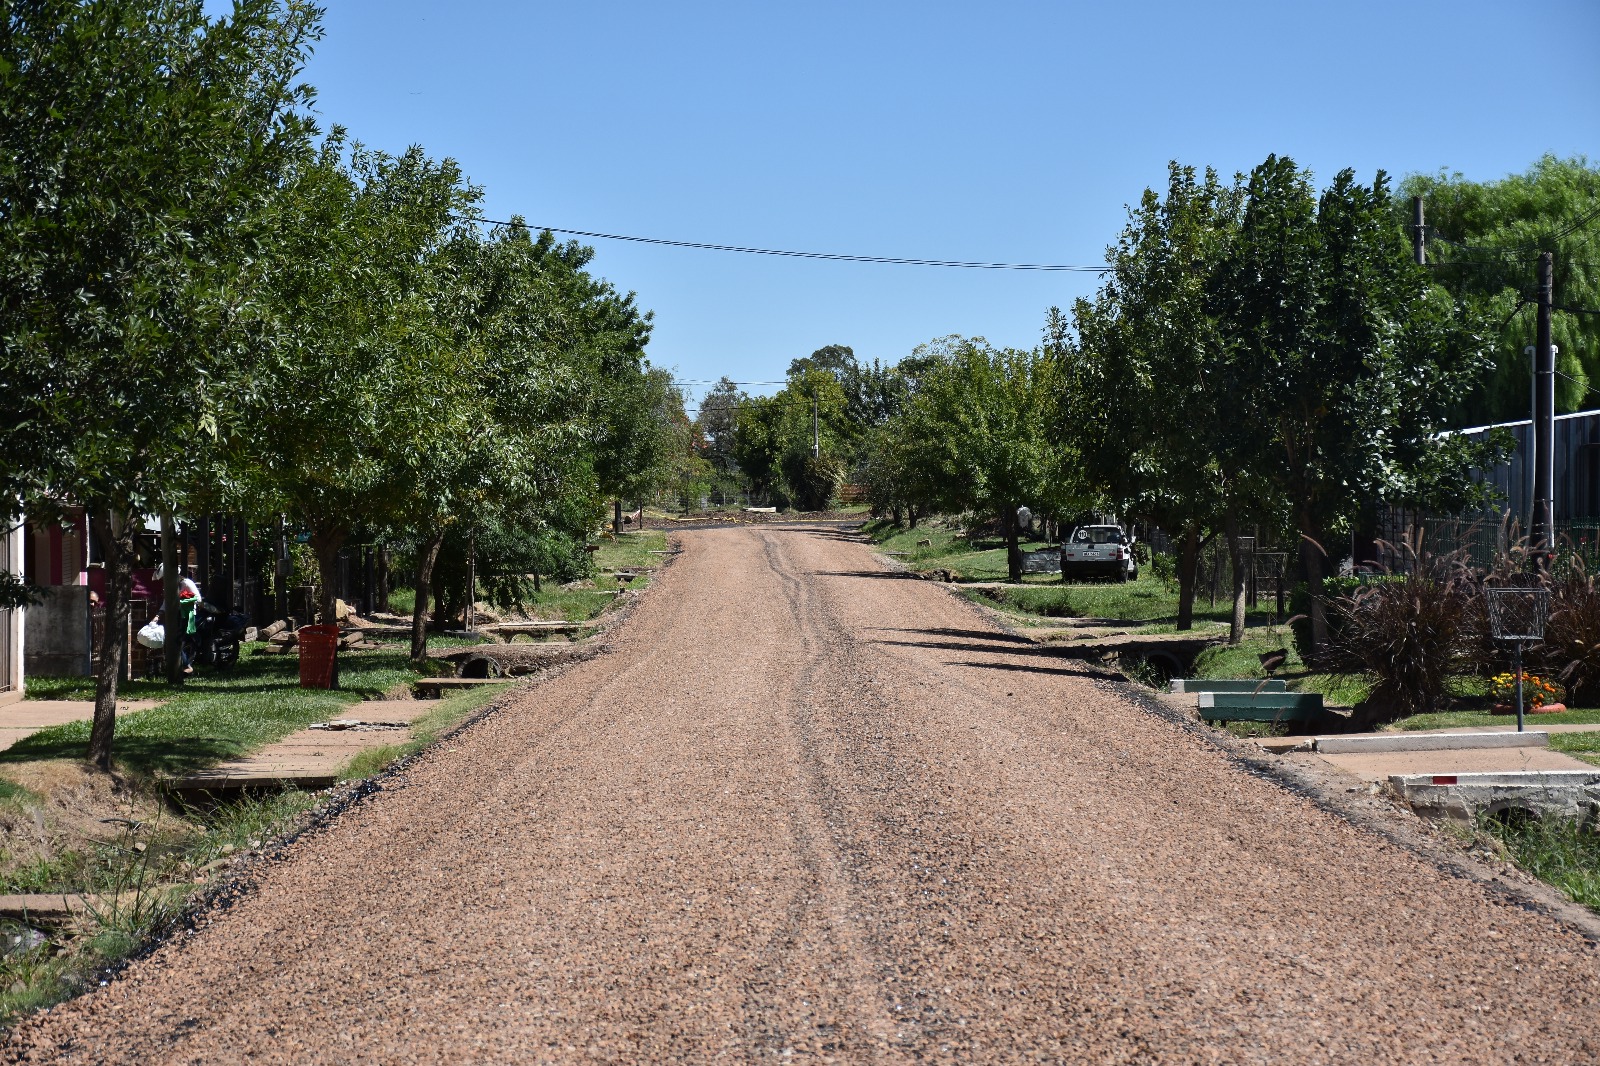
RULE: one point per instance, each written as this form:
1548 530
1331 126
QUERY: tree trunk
326 543
171 613
616 517
1188 567
469 614
382 598
913 515
897 515
426 557
115 533
1013 551
1311 562
1236 558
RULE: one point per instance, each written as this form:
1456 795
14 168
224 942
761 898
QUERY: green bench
1259 707
1182 685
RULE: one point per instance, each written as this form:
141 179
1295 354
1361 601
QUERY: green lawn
1146 601
1457 719
213 716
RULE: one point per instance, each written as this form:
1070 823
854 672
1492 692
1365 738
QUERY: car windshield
1099 535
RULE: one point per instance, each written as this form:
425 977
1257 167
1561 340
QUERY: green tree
980 434
362 397
1347 357
1151 389
1483 240
139 143
794 444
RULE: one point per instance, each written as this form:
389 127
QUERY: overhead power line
835 257
719 382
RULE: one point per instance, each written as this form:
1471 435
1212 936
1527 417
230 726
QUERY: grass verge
451 712
133 885
940 544
211 717
138 881
1559 852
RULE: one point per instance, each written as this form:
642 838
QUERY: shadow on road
844 533
968 634
893 575
1032 669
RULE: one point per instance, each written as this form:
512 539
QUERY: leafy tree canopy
1483 242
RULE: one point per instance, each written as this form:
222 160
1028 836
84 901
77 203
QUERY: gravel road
809 810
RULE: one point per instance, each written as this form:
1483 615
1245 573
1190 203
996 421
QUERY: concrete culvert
1512 815
1162 666
480 666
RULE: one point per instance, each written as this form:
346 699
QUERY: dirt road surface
808 810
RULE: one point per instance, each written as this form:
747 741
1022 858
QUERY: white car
1099 551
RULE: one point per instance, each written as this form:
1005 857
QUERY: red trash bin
319 648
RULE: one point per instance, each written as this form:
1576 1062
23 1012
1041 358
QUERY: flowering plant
1535 689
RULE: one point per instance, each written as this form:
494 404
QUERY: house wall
57 635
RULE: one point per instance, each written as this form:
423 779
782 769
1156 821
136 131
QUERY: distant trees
979 435
794 445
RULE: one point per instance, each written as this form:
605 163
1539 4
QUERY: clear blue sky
1010 132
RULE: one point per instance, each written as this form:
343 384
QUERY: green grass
552 603
631 549
1147 600
1585 746
628 551
402 601
1457 719
213 716
1558 852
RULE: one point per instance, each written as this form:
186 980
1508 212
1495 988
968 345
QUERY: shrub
1409 632
1571 648
1300 609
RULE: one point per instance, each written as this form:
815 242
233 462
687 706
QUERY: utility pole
1544 414
1419 235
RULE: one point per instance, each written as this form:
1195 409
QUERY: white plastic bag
152 635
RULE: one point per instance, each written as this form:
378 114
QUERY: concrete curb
1336 745
1573 794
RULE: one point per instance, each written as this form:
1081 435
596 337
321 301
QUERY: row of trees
1260 355
206 304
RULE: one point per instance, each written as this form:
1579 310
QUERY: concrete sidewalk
26 717
314 757
1381 765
